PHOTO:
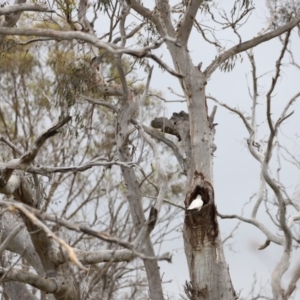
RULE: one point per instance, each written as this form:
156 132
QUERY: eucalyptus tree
82 80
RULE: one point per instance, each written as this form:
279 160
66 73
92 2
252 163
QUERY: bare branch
46 285
274 81
275 239
124 14
148 14
145 93
284 262
212 116
172 203
10 182
10 237
101 102
260 196
112 48
292 219
257 155
231 234
44 170
164 65
10 145
62 243
82 11
22 243
162 138
293 283
177 94
188 20
11 20
163 180
122 78
131 33
255 92
198 26
24 7
283 114
265 245
34 214
30 155
165 100
249 44
248 126
95 257
128 112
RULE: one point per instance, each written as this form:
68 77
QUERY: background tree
86 76
97 198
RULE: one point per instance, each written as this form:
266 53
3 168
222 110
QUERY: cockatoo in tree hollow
196 204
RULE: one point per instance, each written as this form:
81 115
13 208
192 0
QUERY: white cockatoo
196 204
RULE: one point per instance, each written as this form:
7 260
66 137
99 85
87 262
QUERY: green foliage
17 60
102 4
230 63
240 5
72 76
8 44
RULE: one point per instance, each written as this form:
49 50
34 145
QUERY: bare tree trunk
208 269
209 274
128 112
203 247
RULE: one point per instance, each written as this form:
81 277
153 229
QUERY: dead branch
36 216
